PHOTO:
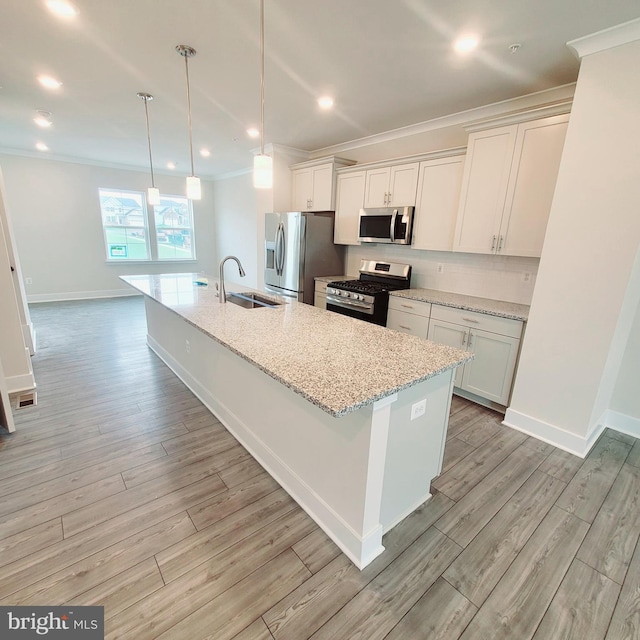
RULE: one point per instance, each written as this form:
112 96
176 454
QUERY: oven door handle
392 232
348 304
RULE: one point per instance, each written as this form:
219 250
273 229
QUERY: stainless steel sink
251 300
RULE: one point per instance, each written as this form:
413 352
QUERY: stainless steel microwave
391 225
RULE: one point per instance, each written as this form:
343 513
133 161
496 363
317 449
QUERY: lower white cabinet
320 295
495 341
409 316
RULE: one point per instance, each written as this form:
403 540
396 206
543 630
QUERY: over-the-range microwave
391 225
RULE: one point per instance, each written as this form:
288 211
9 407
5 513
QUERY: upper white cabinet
507 187
392 186
439 183
349 201
312 184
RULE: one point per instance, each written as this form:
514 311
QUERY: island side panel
415 448
333 467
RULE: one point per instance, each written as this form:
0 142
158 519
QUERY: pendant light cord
146 113
186 66
261 77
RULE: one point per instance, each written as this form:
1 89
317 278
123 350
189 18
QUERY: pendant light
262 163
194 191
153 194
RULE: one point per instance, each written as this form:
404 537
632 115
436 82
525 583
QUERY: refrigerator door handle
277 251
281 249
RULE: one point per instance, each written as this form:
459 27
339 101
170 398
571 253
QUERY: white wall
56 220
587 289
626 399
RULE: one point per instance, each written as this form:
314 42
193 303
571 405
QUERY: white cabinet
392 186
409 316
495 341
313 188
349 201
507 187
434 223
320 295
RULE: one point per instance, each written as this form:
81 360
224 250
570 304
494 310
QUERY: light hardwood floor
120 489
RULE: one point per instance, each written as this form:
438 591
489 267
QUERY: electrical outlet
440 268
28 280
526 277
418 409
187 346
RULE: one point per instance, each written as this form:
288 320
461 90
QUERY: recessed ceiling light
205 153
171 165
49 82
41 146
325 102
42 119
253 132
61 8
466 44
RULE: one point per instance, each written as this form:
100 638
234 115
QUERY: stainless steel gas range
368 297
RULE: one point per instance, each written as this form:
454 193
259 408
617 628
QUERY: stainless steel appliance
390 225
368 297
298 247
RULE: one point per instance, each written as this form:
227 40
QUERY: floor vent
26 400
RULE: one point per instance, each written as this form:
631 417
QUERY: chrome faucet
223 294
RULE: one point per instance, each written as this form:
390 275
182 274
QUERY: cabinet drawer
410 323
475 320
410 306
321 287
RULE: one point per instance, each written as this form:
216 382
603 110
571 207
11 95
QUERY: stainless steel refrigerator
298 248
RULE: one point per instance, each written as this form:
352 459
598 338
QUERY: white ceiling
388 63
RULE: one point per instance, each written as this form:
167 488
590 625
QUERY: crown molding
606 39
515 117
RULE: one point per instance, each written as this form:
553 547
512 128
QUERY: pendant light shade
153 194
194 191
262 164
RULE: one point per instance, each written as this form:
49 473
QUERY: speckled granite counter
337 363
469 303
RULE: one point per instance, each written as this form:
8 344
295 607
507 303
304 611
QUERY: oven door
366 311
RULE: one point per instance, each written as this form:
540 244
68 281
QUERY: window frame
152 247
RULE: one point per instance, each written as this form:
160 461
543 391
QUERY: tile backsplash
505 278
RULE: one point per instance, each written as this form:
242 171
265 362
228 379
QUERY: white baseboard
361 550
552 434
80 295
623 423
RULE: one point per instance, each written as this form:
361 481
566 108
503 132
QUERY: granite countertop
338 363
500 308
334 278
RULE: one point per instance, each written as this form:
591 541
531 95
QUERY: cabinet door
377 187
453 336
403 182
410 323
320 300
484 189
490 373
434 223
322 188
301 190
534 172
350 196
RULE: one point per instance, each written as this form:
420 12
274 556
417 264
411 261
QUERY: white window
130 225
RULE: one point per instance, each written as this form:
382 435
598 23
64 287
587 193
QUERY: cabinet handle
407 306
464 339
469 342
493 244
473 320
389 198
500 244
403 327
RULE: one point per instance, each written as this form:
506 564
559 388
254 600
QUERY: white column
588 284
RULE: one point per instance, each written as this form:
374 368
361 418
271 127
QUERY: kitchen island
324 402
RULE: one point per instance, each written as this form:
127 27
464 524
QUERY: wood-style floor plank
614 533
518 603
581 608
200 542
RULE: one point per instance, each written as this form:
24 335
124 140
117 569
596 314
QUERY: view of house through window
132 233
